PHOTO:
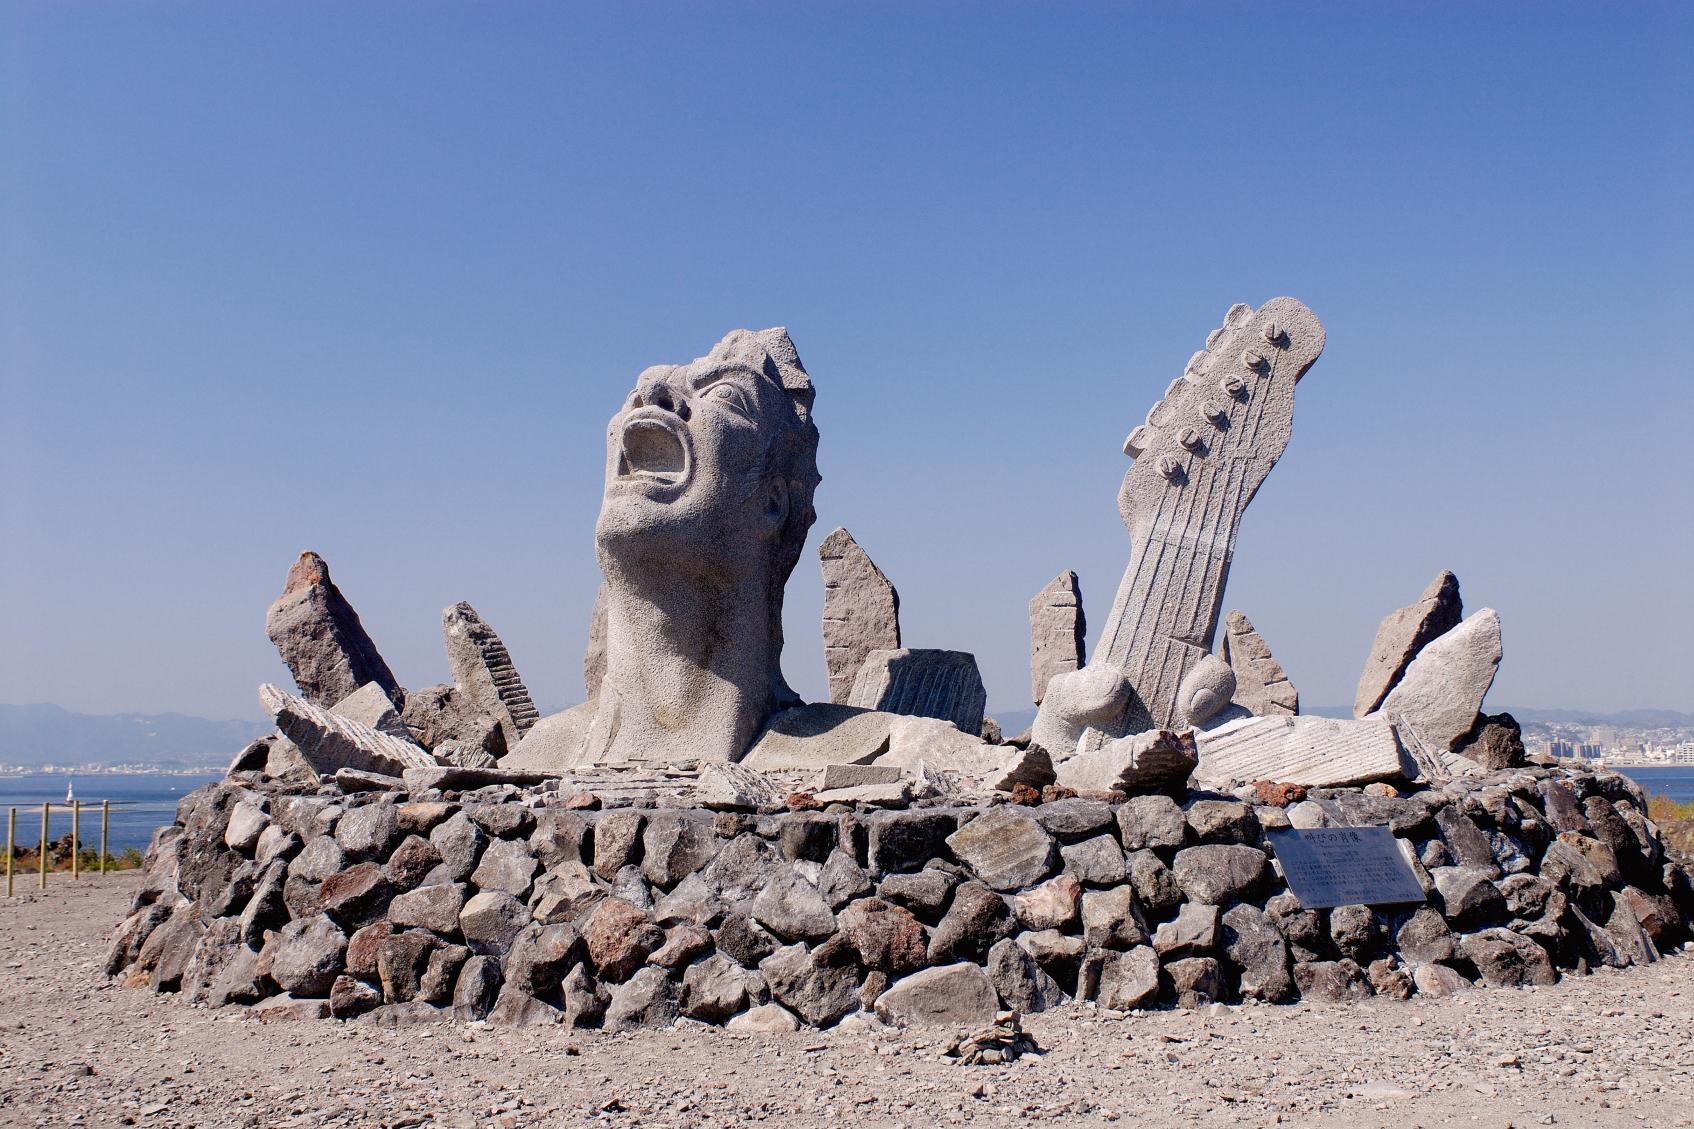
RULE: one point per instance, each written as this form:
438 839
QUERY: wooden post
11 834
45 808
76 839
105 821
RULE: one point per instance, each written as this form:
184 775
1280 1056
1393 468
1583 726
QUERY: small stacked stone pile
529 906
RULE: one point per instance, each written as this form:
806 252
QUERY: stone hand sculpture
710 471
1200 457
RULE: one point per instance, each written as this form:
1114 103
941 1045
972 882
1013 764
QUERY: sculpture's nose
660 391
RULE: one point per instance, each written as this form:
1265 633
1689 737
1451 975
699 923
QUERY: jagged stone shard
1200 457
861 611
330 742
922 683
368 705
319 636
1319 752
594 658
1261 685
484 674
1057 630
1141 762
1441 693
1402 635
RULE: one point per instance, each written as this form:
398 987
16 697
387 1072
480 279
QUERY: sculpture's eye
728 394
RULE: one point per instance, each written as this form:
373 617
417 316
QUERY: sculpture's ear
773 513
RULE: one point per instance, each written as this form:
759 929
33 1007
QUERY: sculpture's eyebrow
714 375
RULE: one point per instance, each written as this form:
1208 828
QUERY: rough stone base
526 907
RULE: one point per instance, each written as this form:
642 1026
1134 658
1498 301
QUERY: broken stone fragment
1261 685
922 683
484 674
321 640
442 717
1441 693
1402 635
369 705
861 611
1141 762
329 742
1057 629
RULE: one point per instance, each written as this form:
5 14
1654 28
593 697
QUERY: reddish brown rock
886 937
620 938
319 636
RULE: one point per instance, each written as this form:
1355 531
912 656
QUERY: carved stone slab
1402 635
1199 459
1319 752
1056 632
319 636
1344 866
923 683
1443 688
483 672
861 611
330 742
1261 685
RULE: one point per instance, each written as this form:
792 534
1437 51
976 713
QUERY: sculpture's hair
792 452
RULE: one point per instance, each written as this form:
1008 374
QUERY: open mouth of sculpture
653 451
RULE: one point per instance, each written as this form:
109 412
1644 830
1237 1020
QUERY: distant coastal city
1616 746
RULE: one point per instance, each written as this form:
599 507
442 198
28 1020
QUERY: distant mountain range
49 735
1623 719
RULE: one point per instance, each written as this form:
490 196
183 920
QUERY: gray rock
1469 898
766 1019
1151 822
517 1008
1469 846
319 636
691 902
477 988
674 846
368 831
842 880
349 997
1111 919
902 841
1576 863
329 742
924 893
792 909
1129 980
585 998
646 999
1195 931
629 885
955 994
744 940
1057 629
1506 960
1199 459
1095 862
491 921
1320 752
1402 635
977 919
268 907
1020 980
1442 690
1196 981
441 718
460 844
400 962
1220 874
1358 932
506 866
1075 819
1005 847
559 836
436 908
1153 881
861 611
357 896
247 821
1261 685
411 862
274 843
682 944
717 988
617 841
370 705
1339 981
1437 980
306 956
922 683
820 993
484 674
1257 948
1222 821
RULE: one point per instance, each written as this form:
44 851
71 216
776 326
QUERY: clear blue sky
370 278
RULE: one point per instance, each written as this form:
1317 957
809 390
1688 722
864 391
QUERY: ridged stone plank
330 742
483 672
1319 752
861 611
1057 629
923 683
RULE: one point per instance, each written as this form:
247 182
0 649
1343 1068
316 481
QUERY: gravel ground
1616 1048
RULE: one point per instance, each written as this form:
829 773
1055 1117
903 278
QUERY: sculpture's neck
692 667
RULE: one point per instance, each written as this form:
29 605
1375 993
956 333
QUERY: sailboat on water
70 791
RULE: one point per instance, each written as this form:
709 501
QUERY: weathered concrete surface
484 674
1262 687
923 683
1319 752
1057 629
1402 635
861 611
319 636
710 470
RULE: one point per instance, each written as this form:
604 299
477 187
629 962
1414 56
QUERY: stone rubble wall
519 907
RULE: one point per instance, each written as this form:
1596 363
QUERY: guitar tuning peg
1189 438
1253 360
1215 412
1273 332
1232 386
1170 468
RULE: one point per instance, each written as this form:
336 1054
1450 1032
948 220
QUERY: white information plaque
1343 866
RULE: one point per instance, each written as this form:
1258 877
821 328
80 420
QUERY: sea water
140 803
